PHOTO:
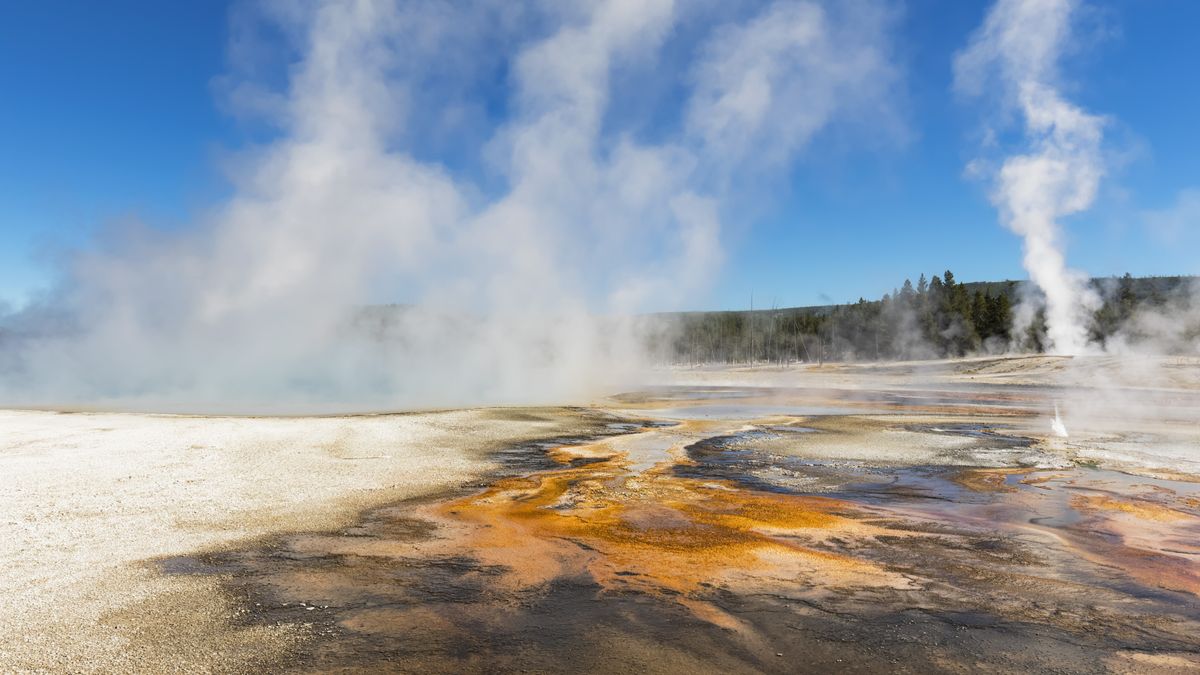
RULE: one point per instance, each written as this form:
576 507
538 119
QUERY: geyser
1017 51
1057 425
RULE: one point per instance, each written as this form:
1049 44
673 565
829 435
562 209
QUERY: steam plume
1018 48
563 208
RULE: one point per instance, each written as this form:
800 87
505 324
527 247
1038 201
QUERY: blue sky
109 114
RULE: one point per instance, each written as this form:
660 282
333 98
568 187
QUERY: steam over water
391 179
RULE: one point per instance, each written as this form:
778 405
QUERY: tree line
935 318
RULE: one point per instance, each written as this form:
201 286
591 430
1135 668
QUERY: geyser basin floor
88 499
932 527
697 548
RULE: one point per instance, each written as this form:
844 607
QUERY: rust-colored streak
1143 529
654 531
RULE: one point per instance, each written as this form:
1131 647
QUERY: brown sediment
1153 543
1042 478
988 480
1147 566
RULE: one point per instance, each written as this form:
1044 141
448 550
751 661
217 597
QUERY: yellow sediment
1138 508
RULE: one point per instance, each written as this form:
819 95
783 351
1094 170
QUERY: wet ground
713 530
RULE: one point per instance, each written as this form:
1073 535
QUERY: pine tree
1125 297
979 314
1001 317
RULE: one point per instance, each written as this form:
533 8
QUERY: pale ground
92 501
1138 413
1168 373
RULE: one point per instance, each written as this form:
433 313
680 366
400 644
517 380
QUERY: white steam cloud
1017 52
492 165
